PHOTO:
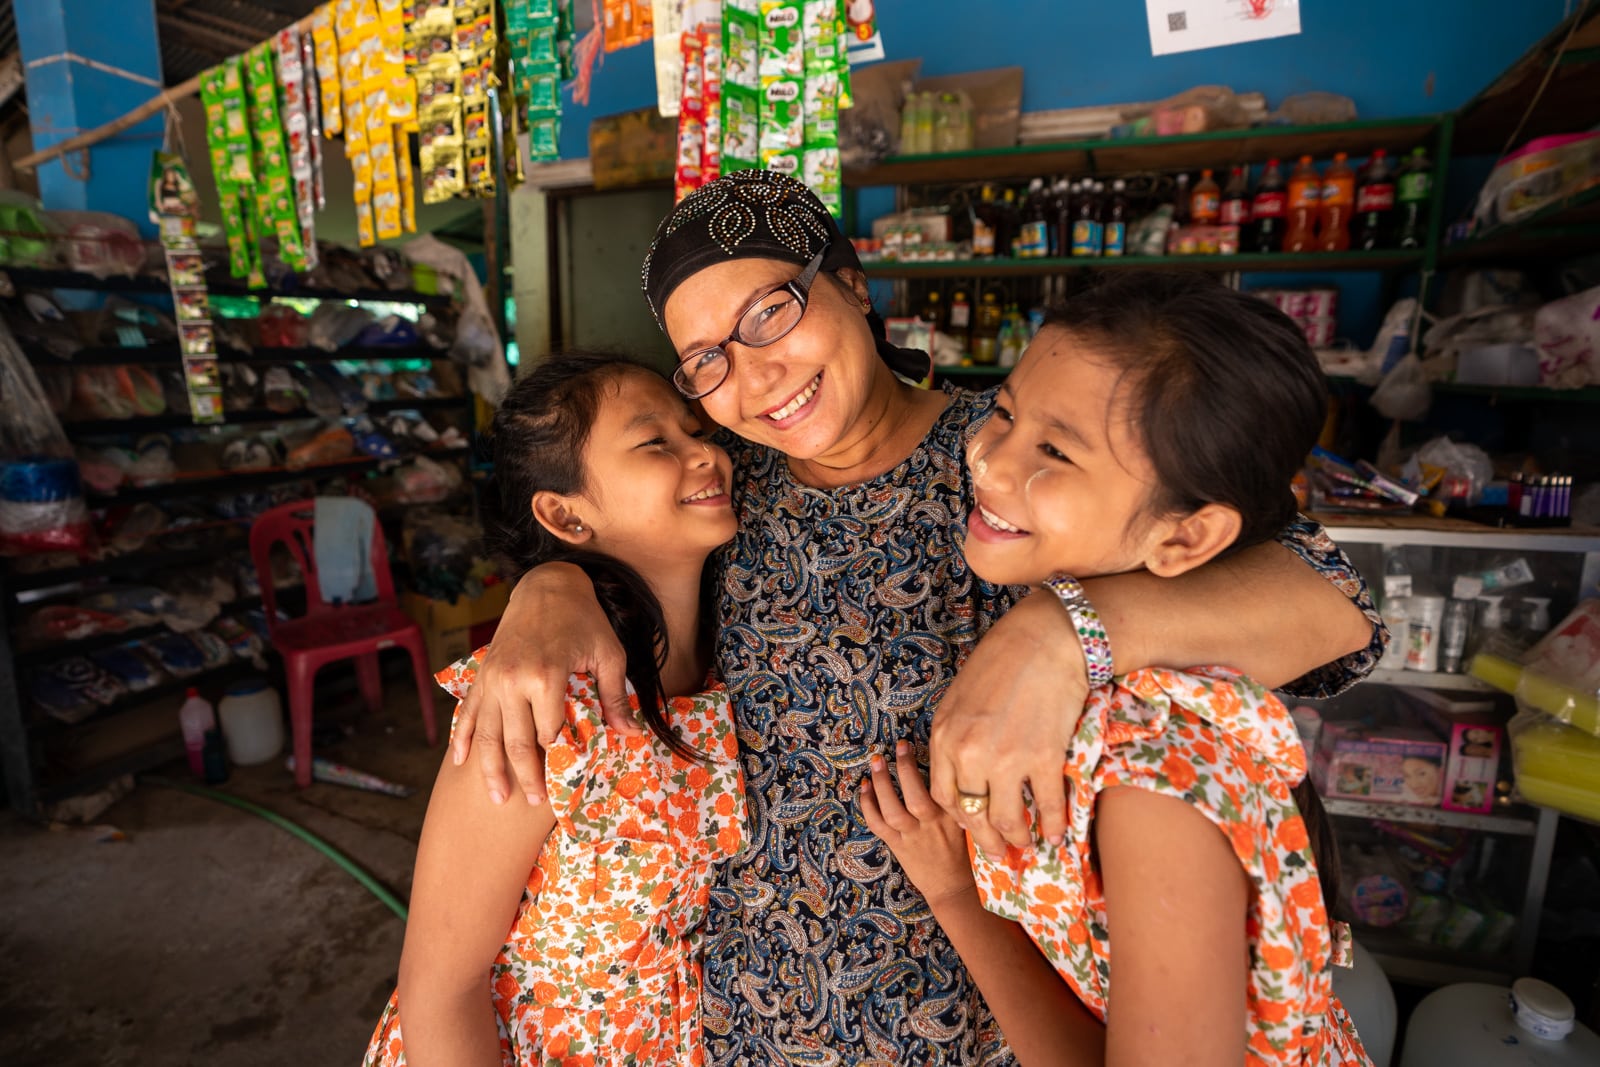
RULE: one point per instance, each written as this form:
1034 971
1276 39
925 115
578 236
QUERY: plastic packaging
1567 334
1427 617
252 722
1557 766
1540 172
197 719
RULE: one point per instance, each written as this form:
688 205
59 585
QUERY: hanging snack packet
325 46
783 51
298 132
741 124
408 195
313 106
711 154
691 115
741 48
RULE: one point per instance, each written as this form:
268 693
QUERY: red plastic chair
329 632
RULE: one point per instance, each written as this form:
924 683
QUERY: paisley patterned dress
844 613
601 965
1226 747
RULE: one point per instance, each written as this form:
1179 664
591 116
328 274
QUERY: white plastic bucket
252 722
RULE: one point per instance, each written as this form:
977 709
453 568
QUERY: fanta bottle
1337 205
1305 189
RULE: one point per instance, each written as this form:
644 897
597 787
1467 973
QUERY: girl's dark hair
539 436
1227 398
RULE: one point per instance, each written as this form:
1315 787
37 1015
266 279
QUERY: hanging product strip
535 31
175 209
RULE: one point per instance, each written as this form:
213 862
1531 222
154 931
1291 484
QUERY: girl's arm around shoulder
473 862
1176 905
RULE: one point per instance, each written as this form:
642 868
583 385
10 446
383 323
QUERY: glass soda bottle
1413 190
1305 187
1235 209
1116 228
1337 203
1270 210
1206 201
1375 203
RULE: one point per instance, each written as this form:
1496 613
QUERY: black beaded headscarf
756 214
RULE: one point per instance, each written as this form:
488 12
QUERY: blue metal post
88 62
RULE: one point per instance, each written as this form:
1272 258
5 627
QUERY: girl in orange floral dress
565 934
1155 423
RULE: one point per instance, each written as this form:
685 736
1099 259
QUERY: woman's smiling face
805 393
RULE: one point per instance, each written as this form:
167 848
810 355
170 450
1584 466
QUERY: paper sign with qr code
1189 25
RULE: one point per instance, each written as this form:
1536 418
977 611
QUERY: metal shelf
1568 227
140 424
134 563
166 353
1455 533
237 481
1388 259
1219 148
1520 825
36 278
1454 683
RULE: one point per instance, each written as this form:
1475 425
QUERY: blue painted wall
66 98
1392 57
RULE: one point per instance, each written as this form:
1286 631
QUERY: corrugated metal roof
196 34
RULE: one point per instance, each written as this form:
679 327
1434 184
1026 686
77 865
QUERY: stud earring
578 528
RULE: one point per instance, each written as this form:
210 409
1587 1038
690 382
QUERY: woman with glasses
845 608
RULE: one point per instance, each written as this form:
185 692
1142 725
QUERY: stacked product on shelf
149 592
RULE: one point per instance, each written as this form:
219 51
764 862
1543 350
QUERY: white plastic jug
252 722
1475 1025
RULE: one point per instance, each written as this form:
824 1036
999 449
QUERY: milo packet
783 52
741 123
783 119
741 48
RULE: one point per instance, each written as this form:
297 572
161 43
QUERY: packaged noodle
441 127
480 169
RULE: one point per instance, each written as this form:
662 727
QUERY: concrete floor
211 936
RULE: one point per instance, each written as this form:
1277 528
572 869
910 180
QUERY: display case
1447 891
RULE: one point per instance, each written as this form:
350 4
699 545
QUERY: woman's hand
553 628
1008 719
931 848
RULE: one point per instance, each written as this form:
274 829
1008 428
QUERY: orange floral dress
601 967
1227 747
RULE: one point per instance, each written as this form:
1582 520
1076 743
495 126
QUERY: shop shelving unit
1530 831
30 740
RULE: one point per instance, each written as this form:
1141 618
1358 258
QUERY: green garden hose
345 862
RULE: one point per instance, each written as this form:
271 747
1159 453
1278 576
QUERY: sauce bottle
1116 227
1206 201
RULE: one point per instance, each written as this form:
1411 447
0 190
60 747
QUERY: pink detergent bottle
197 719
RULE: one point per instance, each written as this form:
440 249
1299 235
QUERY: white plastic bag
1404 392
1567 334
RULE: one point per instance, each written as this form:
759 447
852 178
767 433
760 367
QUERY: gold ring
973 803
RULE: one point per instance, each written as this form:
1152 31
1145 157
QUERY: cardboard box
1389 765
456 630
1474 742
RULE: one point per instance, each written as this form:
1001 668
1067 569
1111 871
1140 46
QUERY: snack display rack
45 759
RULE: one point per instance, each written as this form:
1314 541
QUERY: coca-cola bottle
1375 203
1268 209
1235 209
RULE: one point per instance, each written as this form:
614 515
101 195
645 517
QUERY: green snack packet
516 15
824 36
787 161
783 118
542 44
544 137
741 124
741 48
783 51
822 109
822 175
544 91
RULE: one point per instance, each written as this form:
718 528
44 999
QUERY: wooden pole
178 92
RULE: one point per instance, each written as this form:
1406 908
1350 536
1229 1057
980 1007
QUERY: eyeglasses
766 321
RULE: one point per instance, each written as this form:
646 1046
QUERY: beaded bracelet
1086 621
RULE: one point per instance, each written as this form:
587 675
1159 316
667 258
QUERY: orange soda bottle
1305 189
1338 204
